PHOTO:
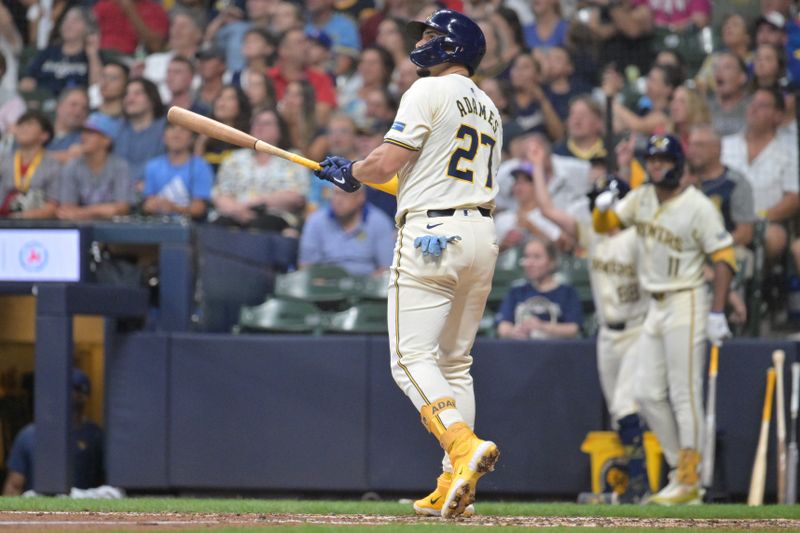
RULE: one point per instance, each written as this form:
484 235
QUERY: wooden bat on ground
759 474
710 439
217 130
778 358
791 460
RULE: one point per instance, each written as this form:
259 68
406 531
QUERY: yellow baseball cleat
471 458
431 505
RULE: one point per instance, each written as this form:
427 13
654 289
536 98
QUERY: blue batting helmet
669 147
462 41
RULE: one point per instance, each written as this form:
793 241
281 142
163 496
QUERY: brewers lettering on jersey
676 228
444 146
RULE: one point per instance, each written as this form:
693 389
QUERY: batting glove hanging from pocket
434 244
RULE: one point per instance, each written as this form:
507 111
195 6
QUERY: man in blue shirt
178 182
349 233
87 440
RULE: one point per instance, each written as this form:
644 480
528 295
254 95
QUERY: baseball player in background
445 146
677 227
620 305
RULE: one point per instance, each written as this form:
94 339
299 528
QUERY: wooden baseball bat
791 460
709 446
759 474
217 130
778 358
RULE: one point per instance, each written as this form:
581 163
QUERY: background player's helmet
609 182
463 41
670 147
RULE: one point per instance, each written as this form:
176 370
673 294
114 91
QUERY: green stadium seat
575 272
509 260
362 318
278 315
487 327
319 284
366 288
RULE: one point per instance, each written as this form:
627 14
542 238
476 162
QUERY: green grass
233 505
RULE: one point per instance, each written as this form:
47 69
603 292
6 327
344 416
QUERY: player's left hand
717 328
339 171
433 244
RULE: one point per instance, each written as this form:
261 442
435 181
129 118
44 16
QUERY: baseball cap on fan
102 124
210 52
774 19
523 170
319 37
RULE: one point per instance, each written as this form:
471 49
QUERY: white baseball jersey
459 135
674 237
618 298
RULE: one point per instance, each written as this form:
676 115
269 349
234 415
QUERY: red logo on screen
33 256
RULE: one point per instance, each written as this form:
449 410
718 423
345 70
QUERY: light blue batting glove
433 244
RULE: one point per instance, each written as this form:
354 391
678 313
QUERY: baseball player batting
677 226
621 304
444 145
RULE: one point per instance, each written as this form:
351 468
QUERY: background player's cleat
431 505
676 493
471 458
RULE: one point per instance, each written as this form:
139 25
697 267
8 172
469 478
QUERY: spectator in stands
735 40
771 29
563 87
259 190
140 137
320 55
89 469
677 26
112 84
531 111
687 109
259 91
729 189
542 308
729 101
405 74
97 185
769 70
770 164
29 177
297 109
10 48
185 36
399 9
623 31
375 68
127 24
549 28
12 106
323 17
498 90
178 182
349 233
232 108
180 74
226 31
517 226
75 62
258 50
652 113
71 112
392 38
291 66
584 131
286 16
211 68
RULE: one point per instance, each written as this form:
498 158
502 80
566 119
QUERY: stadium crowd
581 86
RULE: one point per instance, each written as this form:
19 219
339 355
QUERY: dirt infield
96 521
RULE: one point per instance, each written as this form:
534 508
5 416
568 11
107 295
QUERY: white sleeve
414 118
545 225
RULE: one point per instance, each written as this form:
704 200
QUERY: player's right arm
382 164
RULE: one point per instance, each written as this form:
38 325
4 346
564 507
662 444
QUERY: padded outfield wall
304 413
